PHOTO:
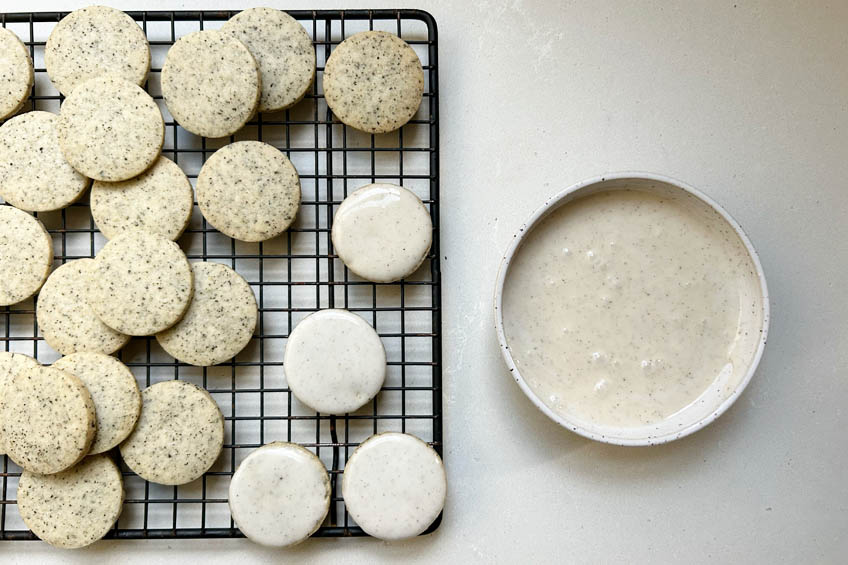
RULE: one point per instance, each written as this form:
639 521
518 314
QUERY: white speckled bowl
703 410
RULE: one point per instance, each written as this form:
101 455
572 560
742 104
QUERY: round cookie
93 41
179 435
394 486
373 81
157 201
26 255
110 129
280 494
282 49
47 419
210 83
67 322
382 232
34 175
10 365
74 508
16 73
334 361
219 321
141 284
249 190
117 400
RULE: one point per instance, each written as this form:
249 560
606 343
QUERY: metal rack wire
292 276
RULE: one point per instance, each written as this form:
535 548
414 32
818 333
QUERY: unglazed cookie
67 322
373 81
382 232
282 49
26 255
157 201
249 190
16 73
10 365
334 361
280 494
210 83
93 41
34 176
74 508
47 419
179 435
110 129
117 400
141 284
219 321
394 486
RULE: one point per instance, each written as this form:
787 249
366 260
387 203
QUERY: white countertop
747 101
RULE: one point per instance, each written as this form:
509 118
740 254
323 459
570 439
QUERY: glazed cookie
157 201
110 129
210 83
93 41
249 190
382 232
280 494
47 419
74 508
34 175
394 486
219 321
16 73
64 316
282 49
10 365
26 255
117 400
178 437
334 361
141 284
373 82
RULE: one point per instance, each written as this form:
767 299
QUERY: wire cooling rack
292 275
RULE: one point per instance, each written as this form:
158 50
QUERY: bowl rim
552 204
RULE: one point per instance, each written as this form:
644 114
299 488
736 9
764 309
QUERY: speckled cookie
10 365
382 232
179 435
16 73
64 316
110 129
219 321
249 190
47 419
373 81
26 255
114 392
74 508
334 361
282 49
394 486
141 284
157 201
92 41
34 176
211 83
280 494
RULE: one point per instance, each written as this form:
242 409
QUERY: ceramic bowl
712 402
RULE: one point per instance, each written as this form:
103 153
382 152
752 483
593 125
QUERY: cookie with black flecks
179 435
26 255
16 73
10 365
74 508
219 321
374 82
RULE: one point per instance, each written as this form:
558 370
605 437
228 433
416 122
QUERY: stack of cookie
58 423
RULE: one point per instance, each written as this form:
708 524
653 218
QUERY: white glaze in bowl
705 408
